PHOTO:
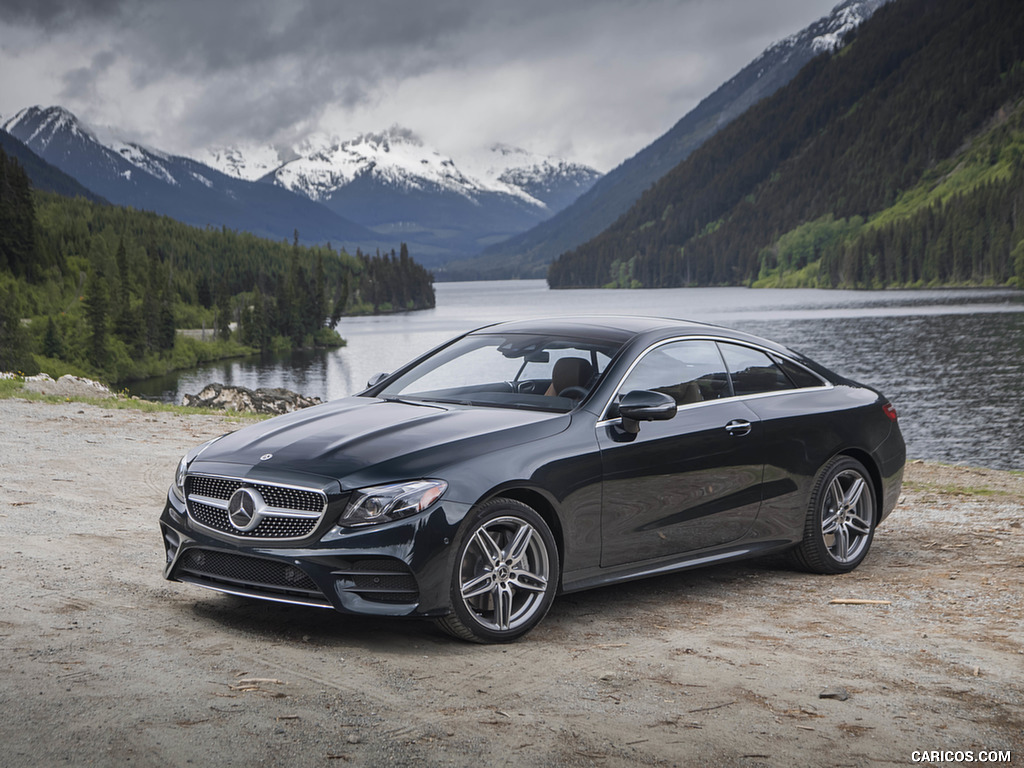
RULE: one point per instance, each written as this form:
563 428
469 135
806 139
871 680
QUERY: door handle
738 427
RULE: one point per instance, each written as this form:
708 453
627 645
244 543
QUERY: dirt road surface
102 662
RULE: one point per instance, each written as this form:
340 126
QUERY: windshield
507 370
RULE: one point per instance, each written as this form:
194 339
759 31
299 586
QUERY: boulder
273 401
66 386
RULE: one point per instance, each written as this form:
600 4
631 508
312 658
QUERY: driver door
688 483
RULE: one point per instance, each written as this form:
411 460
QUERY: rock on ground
67 386
272 401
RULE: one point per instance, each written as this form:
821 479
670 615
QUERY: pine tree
53 342
18 251
15 342
126 321
97 314
222 329
260 334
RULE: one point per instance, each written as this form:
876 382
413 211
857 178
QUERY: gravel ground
102 662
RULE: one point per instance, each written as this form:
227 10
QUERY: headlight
179 478
384 503
188 458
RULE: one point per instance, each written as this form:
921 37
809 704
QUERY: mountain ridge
375 191
529 253
43 175
395 184
128 173
805 171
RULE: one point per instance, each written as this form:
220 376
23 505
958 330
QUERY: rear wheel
840 521
504 575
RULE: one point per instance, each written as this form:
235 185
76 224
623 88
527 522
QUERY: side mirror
645 405
376 379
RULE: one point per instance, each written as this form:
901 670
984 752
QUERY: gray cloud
596 77
57 14
81 81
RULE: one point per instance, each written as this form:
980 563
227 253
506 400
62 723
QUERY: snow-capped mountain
401 187
551 180
827 34
127 173
250 162
780 62
528 253
373 191
397 157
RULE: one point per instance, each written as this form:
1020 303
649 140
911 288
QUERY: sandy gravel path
102 662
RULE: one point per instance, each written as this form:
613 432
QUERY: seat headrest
571 372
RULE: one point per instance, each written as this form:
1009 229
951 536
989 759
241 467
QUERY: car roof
623 328
611 327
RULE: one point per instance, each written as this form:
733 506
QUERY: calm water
952 361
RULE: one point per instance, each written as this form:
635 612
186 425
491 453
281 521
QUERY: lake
952 361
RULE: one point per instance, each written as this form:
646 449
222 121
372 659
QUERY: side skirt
599 577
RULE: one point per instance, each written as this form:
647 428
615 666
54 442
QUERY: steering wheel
574 392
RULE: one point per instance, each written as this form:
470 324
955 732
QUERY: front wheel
504 576
840 519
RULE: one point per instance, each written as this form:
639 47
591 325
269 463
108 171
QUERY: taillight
890 410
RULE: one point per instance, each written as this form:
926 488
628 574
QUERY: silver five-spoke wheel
505 574
847 516
841 519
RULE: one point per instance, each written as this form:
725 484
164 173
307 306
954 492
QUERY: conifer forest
102 290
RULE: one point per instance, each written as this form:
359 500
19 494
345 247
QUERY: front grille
270 528
292 513
252 574
380 580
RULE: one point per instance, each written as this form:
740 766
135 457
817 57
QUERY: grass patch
13 388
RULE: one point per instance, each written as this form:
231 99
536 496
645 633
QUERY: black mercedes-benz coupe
530 458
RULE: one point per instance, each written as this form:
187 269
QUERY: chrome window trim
274 511
825 385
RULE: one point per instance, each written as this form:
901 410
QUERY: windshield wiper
405 400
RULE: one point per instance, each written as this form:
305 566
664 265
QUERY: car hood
360 440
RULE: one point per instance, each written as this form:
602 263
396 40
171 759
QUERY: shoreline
119 401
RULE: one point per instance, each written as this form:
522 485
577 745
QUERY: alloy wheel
847 516
504 573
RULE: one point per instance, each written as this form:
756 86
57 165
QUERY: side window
689 371
799 375
752 371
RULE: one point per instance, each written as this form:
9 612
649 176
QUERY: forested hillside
105 288
43 175
897 161
528 254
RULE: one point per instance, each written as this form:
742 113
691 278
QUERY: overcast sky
591 80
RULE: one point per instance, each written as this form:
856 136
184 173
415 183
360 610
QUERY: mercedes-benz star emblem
245 509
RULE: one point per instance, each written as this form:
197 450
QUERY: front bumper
392 569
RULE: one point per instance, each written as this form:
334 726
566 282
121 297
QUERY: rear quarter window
799 375
753 372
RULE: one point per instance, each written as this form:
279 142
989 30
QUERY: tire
841 519
504 575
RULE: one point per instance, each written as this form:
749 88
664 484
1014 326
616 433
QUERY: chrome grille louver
289 512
